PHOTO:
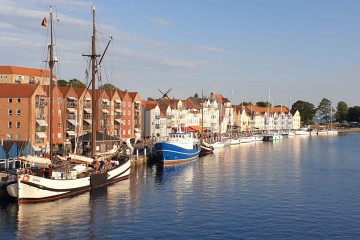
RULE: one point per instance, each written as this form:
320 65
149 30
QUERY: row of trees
77 83
325 111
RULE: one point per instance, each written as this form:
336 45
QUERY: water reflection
79 215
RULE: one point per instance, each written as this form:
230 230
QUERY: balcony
72 104
70 128
70 116
40 116
118 115
40 129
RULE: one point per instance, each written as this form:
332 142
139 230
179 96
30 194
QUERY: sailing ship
61 178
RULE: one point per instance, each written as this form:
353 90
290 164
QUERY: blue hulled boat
177 148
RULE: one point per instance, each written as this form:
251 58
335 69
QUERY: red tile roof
25 71
17 90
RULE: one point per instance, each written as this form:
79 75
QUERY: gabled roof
123 94
220 98
25 71
190 104
64 90
79 91
134 96
149 105
17 90
163 107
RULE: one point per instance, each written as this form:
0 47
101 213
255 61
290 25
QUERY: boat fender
26 178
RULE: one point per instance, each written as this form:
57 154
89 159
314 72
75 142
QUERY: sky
245 50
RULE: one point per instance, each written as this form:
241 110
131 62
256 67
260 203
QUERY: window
128 122
124 104
18 136
18 111
129 104
129 131
9 124
123 131
59 135
129 113
10 100
17 124
60 100
9 136
10 112
59 124
18 100
59 112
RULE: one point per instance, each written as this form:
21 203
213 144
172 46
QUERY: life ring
26 178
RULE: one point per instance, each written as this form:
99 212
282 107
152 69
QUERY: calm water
300 188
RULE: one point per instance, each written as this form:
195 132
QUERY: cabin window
9 124
10 112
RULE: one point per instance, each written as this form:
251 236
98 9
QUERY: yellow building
14 74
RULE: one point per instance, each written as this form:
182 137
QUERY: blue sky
302 50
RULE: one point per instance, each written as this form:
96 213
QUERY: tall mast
51 66
93 91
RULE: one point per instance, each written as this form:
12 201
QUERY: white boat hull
31 189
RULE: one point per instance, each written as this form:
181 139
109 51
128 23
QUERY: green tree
307 111
76 83
263 104
108 86
196 95
245 103
342 111
62 83
354 114
324 109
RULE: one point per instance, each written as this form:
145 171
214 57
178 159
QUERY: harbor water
298 188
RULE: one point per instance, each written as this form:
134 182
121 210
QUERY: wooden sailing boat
53 183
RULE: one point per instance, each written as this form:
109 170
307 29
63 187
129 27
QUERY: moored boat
302 131
217 145
206 149
273 136
62 178
177 148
